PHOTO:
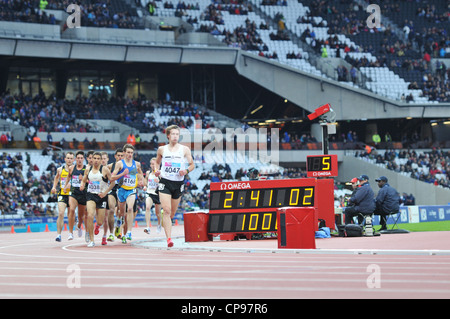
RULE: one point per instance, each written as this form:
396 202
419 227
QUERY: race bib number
76 181
129 181
172 168
94 187
152 183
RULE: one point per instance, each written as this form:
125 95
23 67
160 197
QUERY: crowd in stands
95 13
25 193
246 38
437 85
429 166
432 38
47 114
40 114
24 11
100 13
299 141
429 38
412 52
234 7
273 3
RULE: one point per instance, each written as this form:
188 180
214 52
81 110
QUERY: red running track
33 265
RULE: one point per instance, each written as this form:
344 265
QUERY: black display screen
262 198
319 163
243 222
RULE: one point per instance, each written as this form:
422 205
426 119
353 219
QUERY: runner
97 177
61 177
77 198
151 196
89 158
174 158
129 174
128 225
112 196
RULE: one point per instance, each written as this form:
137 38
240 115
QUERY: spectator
387 201
324 52
49 138
361 203
131 139
43 4
4 140
376 138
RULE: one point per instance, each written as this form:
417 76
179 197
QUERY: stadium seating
384 45
379 80
254 28
239 23
427 166
298 17
335 27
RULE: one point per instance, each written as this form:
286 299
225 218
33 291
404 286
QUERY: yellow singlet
63 181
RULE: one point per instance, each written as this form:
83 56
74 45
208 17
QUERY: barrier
34 228
296 227
38 223
417 214
196 226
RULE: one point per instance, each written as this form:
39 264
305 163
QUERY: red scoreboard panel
250 206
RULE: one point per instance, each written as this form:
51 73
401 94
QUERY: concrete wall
103 35
29 30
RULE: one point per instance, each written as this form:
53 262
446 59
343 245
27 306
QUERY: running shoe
70 236
91 244
97 229
58 238
87 238
129 235
158 229
124 240
110 237
80 231
117 231
147 230
169 242
104 241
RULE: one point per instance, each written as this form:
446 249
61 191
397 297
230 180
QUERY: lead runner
173 159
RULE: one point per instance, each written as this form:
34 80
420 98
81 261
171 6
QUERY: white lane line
444 293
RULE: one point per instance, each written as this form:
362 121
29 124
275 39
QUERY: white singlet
152 185
172 163
96 184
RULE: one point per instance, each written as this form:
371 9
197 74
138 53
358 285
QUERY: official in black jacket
362 201
387 201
